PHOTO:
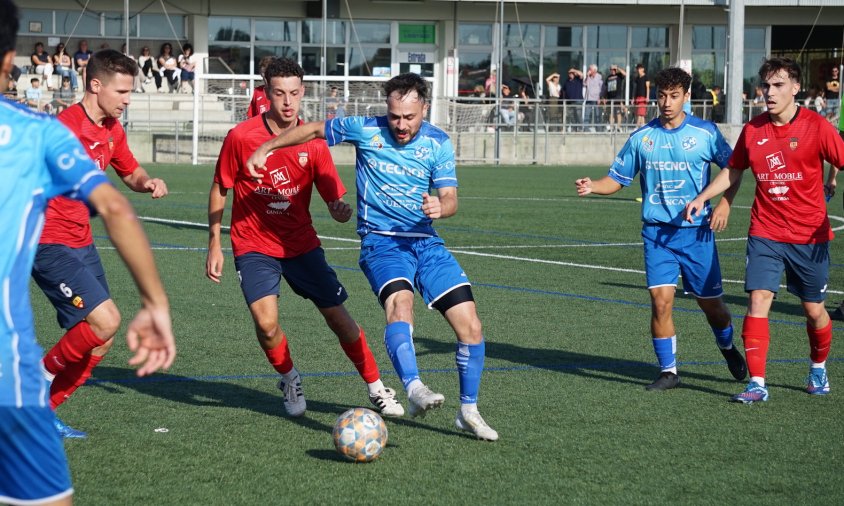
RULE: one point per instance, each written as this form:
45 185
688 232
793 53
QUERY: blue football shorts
690 251
424 262
72 278
308 275
33 467
806 267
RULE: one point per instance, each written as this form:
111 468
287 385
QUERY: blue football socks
470 365
399 343
666 350
724 337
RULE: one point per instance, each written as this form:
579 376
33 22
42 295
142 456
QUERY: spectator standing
614 92
814 100
573 94
63 66
832 93
80 58
641 92
334 104
758 103
717 104
490 85
594 84
146 63
168 65
187 64
41 64
553 91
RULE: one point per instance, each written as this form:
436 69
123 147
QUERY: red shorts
641 107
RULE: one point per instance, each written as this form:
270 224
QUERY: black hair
9 25
186 47
405 83
106 62
673 77
774 65
283 67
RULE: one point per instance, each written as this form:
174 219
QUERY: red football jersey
259 104
787 162
273 217
67 221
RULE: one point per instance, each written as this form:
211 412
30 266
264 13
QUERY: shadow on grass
579 364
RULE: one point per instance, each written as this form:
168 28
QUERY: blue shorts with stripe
806 267
33 467
308 275
72 278
424 262
690 251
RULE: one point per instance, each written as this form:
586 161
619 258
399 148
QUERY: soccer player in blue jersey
672 155
400 158
41 159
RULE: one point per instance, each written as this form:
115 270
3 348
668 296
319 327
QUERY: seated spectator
187 64
147 64
64 97
64 65
11 91
41 64
33 97
80 58
169 67
508 110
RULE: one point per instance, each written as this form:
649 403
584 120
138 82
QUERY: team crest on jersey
78 302
775 161
376 142
280 177
421 152
792 143
303 158
111 143
647 144
689 143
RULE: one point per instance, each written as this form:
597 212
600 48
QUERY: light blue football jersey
392 177
39 159
673 167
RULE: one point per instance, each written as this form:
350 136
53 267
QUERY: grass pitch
560 291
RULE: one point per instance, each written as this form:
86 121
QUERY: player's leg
310 276
807 275
260 276
662 270
701 272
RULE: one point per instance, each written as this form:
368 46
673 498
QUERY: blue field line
604 366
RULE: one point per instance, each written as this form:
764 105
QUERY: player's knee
266 328
104 320
815 314
662 307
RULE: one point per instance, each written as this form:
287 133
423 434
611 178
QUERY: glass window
279 51
754 37
371 62
521 66
227 29
566 36
223 58
649 36
709 37
606 36
710 67
519 35
89 23
276 30
158 26
312 32
473 71
371 32
654 61
114 26
40 21
474 34
562 61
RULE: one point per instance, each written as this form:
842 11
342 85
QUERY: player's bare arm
604 186
216 207
725 179
721 214
831 183
302 133
141 182
149 335
441 205
340 211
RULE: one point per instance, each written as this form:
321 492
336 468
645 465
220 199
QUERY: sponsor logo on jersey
279 205
280 176
776 161
667 146
303 158
670 186
792 143
689 143
667 165
778 190
762 142
78 302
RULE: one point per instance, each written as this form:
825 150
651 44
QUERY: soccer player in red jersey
67 266
260 103
785 148
273 235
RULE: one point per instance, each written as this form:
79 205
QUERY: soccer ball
360 435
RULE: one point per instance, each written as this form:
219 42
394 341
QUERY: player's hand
692 209
340 210
156 186
257 164
829 189
214 264
431 206
150 337
720 216
584 186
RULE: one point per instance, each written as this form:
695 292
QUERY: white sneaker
474 423
294 396
421 399
385 401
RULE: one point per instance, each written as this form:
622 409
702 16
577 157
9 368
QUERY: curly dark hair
107 62
283 67
405 83
673 77
774 65
9 25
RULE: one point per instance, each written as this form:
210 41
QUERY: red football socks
71 348
819 342
72 377
756 337
360 355
279 357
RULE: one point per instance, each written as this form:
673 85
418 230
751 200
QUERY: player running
785 148
400 157
67 266
672 155
273 236
41 159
